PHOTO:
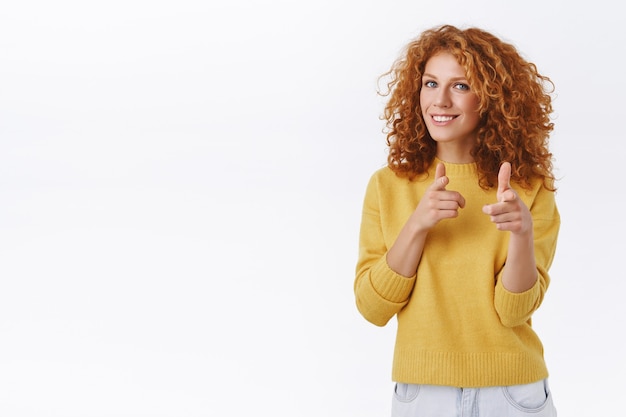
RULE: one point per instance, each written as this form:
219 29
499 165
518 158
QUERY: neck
454 155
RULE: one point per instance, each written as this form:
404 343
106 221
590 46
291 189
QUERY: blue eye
430 84
462 86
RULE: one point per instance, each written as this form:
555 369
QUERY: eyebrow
452 79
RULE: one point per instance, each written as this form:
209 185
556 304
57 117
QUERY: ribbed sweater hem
467 369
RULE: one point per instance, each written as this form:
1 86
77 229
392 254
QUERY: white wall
181 185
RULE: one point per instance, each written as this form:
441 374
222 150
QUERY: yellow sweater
457 325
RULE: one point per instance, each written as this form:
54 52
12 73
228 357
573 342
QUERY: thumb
440 176
504 179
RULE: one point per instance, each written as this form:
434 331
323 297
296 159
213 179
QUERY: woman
459 230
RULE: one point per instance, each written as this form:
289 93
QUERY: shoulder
540 200
383 174
387 190
386 178
384 183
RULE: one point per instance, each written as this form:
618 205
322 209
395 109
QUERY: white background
180 194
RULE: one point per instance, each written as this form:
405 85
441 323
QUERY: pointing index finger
504 182
440 176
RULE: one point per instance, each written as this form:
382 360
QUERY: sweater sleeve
380 292
515 309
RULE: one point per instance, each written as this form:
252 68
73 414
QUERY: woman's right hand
437 203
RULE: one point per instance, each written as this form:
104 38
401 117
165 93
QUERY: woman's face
449 107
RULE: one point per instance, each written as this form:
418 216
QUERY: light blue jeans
534 399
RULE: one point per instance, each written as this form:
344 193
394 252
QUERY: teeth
442 118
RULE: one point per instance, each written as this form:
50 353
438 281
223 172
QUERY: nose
442 98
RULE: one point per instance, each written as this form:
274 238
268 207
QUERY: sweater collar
456 169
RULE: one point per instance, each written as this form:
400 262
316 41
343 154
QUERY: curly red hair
514 106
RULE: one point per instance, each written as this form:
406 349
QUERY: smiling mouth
441 119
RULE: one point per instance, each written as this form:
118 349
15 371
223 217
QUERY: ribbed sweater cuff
515 308
390 285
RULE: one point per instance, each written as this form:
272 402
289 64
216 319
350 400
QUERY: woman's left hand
509 213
